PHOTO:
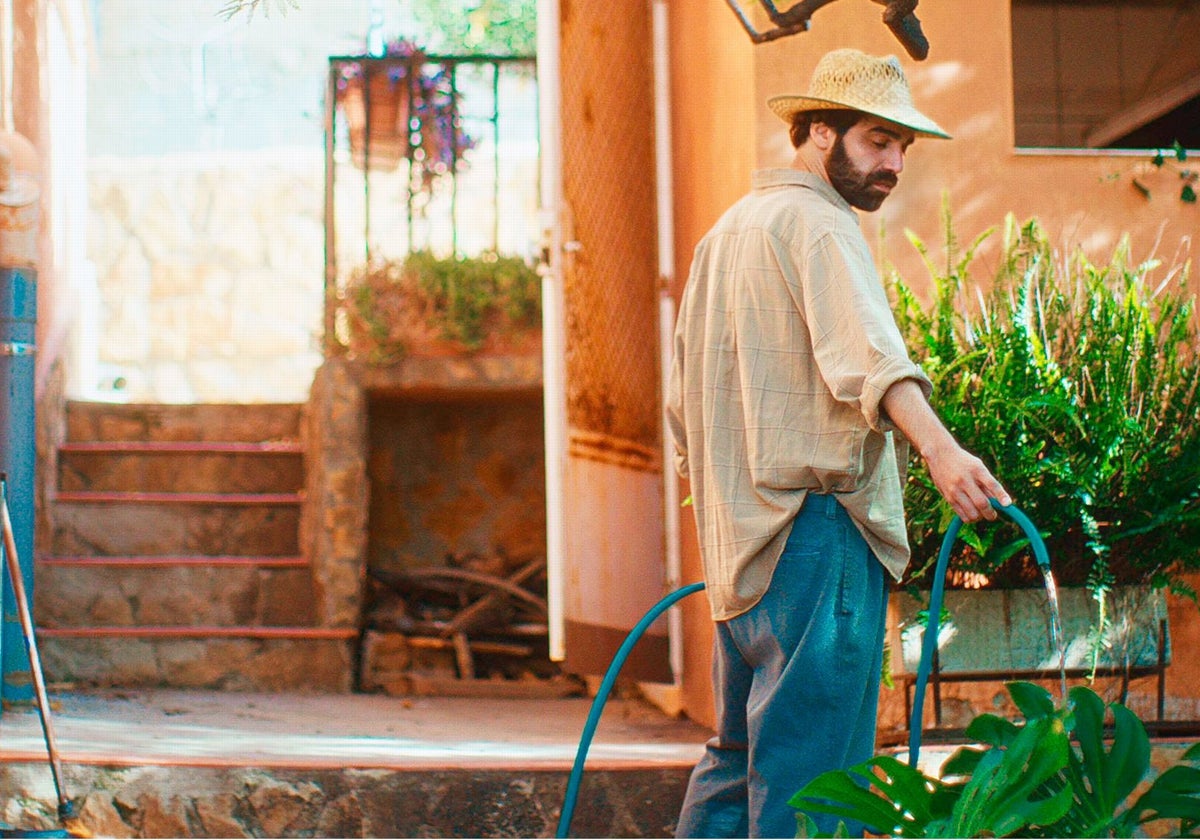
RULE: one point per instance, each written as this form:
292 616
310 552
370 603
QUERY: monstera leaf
1062 773
1012 786
1103 778
885 795
1175 795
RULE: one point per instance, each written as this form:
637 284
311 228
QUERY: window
1106 74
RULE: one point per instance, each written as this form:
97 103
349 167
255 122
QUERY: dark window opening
1106 74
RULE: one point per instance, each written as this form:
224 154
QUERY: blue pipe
18 460
929 643
610 677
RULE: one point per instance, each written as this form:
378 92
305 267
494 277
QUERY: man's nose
893 160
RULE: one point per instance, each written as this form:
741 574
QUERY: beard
854 185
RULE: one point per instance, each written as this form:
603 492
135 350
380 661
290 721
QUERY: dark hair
840 120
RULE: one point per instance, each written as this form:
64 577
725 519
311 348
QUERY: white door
604 464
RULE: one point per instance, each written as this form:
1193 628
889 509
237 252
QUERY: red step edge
135 497
83 561
202 632
221 447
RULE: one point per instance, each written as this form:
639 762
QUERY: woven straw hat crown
849 79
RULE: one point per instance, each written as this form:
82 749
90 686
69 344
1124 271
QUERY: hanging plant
402 106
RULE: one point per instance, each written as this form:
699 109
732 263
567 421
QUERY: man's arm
960 477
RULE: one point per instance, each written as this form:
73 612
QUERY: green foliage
1052 776
1188 177
234 7
493 27
1079 385
393 304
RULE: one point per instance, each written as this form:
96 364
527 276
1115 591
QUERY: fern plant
1078 383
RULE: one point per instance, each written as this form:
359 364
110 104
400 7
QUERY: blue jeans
796 680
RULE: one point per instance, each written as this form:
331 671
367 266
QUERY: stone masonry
261 802
209 278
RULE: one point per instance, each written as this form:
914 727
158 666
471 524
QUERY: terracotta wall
713 131
722 130
966 85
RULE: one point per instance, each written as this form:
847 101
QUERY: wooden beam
1145 110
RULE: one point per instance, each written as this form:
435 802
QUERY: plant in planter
402 106
1079 384
423 303
1051 776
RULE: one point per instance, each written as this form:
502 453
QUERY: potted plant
1079 385
1049 776
401 106
426 305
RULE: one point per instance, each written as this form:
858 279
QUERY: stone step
306 659
168 466
174 527
84 561
176 498
206 422
174 556
151 763
91 593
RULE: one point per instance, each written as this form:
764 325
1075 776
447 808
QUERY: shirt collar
765 179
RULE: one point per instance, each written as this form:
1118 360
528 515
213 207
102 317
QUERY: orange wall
722 130
713 134
966 86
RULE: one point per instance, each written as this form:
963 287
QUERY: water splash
1057 639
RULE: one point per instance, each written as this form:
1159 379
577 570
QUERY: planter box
1005 635
1009 630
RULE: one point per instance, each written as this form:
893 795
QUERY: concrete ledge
214 764
265 802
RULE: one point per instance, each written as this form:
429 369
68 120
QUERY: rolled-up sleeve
883 376
856 343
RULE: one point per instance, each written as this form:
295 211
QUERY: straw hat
852 80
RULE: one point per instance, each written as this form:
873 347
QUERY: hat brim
786 107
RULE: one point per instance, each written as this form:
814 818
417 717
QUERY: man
792 404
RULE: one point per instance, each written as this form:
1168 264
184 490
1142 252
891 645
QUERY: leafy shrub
1050 777
1079 385
394 306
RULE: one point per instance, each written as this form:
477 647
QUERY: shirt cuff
884 375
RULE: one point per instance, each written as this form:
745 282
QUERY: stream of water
1056 632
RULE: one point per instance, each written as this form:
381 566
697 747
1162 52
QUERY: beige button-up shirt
784 346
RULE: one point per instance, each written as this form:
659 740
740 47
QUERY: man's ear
823 136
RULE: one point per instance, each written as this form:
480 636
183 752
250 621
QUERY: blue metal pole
18 456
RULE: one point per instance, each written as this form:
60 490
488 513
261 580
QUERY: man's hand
962 479
964 482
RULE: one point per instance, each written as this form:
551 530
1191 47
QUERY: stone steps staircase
174 556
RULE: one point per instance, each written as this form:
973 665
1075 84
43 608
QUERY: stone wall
456 478
354 483
208 278
266 802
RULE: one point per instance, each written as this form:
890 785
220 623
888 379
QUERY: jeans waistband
825 503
